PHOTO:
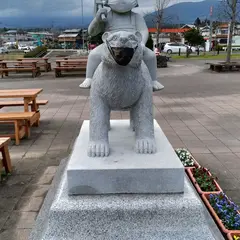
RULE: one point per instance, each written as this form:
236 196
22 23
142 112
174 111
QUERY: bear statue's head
123 48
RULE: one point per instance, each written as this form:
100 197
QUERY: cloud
52 8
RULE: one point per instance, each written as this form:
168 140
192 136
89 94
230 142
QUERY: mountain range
184 13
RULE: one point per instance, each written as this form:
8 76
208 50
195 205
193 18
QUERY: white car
174 48
3 50
25 49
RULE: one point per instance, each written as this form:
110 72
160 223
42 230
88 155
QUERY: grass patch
11 56
207 56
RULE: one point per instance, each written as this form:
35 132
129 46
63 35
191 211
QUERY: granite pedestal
124 171
124 216
98 214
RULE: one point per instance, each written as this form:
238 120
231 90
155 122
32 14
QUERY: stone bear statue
121 82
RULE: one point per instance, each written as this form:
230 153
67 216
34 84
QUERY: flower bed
203 180
233 236
224 211
186 158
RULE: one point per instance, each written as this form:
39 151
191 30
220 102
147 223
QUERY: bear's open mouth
122 55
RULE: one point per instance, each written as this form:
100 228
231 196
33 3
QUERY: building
168 34
14 36
73 38
205 31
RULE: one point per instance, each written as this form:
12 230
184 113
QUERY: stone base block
125 217
124 171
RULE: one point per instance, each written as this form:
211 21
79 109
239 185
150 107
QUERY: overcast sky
10 8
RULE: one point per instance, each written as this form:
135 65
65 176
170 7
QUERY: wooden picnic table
43 62
45 59
5 63
82 61
29 65
28 95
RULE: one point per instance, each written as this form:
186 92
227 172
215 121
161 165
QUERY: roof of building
40 33
12 31
169 30
188 26
72 30
67 35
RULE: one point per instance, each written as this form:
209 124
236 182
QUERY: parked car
3 50
25 49
174 48
201 49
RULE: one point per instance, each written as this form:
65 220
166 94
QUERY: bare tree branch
159 17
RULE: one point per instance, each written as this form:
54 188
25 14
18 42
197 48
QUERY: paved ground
198 110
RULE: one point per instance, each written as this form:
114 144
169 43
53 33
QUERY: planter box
200 191
230 236
205 198
196 165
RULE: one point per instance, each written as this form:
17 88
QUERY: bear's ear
139 36
105 36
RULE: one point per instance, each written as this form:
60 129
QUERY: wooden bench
47 66
22 122
58 70
6 161
219 67
21 103
35 71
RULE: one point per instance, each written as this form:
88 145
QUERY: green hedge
37 52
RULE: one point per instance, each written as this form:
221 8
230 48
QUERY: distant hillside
186 12
44 22
181 13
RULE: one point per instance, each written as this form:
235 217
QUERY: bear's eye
131 38
115 38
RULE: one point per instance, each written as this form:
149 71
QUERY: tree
159 17
193 37
230 12
149 43
197 23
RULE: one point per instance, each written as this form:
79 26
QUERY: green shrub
37 52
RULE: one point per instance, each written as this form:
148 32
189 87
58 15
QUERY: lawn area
207 56
11 56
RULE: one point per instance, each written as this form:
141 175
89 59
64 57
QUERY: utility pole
211 29
82 25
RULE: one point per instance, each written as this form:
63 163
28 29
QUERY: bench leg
6 159
34 109
49 68
27 129
58 73
17 135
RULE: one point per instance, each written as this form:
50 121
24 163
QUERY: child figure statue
120 18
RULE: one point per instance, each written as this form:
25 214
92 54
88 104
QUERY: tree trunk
229 47
231 30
